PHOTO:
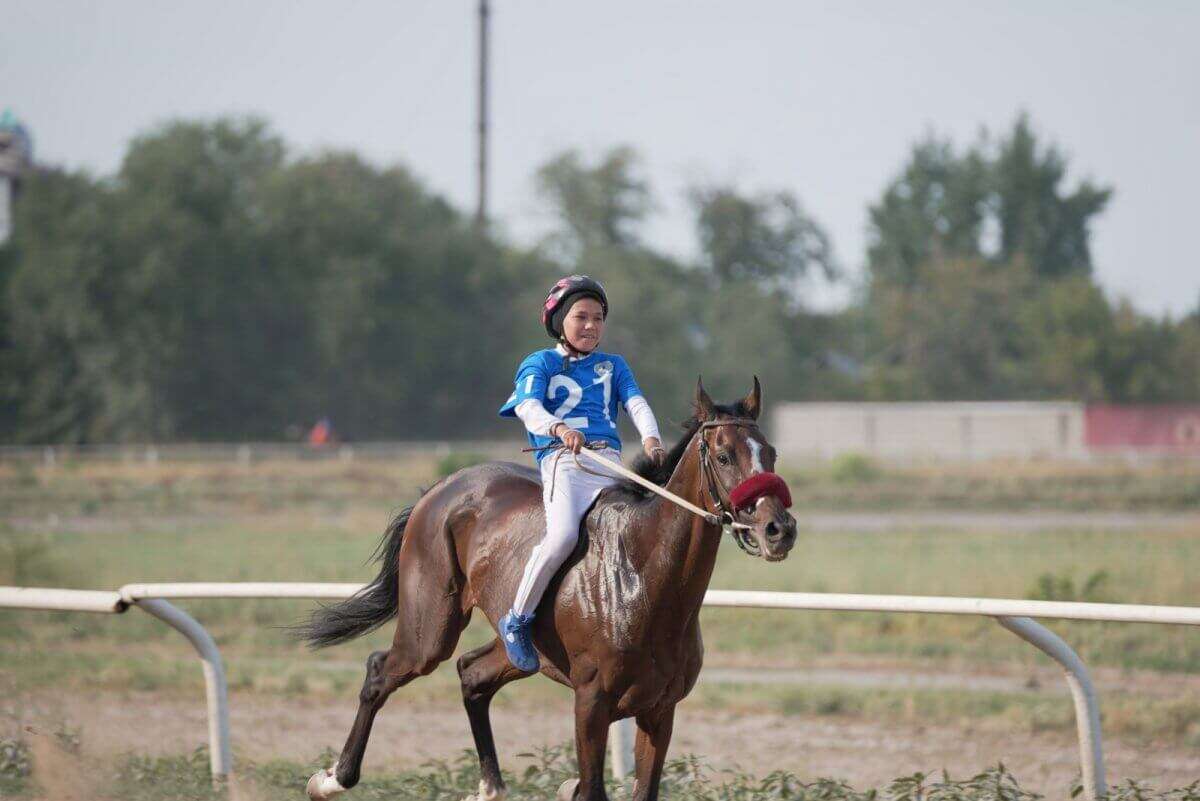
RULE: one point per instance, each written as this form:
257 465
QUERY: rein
725 515
620 469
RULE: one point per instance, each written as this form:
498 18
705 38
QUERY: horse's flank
619 625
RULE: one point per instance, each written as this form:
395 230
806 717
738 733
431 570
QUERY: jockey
582 386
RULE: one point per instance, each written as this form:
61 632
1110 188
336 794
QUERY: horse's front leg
593 714
653 738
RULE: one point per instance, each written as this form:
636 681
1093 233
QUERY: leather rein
725 516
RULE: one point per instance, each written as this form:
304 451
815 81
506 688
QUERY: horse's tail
370 607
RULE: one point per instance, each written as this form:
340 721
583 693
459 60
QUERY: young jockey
582 386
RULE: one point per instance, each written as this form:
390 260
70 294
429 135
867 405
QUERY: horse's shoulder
617 501
608 516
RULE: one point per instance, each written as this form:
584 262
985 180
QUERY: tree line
219 288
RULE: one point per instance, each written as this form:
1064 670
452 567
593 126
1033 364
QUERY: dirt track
411 730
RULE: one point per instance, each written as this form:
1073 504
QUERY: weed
685 778
15 759
25 559
1061 587
853 468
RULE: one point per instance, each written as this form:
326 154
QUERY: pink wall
1150 427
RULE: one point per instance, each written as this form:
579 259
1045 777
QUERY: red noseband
760 485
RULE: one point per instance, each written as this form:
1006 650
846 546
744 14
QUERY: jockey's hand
573 439
654 449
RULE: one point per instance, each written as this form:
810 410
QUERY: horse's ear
704 404
752 403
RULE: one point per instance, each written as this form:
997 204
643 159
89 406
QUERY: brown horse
620 623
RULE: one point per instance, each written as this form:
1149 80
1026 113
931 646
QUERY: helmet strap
571 350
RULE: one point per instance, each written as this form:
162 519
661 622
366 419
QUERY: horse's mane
661 474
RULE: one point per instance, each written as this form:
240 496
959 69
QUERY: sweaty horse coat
619 625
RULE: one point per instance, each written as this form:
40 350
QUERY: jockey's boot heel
514 630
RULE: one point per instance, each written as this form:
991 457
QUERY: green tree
767 239
1065 329
956 339
1139 359
935 209
200 311
61 305
978 277
1001 202
1037 219
596 206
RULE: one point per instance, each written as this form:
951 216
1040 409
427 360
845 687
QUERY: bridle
716 489
725 515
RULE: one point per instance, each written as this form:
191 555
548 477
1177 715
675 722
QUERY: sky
822 99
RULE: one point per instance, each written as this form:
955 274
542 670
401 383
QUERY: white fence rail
1014 615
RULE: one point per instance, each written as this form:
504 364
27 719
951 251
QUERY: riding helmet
563 295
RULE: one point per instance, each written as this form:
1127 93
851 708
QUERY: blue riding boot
514 630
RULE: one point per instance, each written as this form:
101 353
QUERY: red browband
760 485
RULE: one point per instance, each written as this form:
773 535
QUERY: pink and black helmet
560 296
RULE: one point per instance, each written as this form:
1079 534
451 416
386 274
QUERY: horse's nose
774 531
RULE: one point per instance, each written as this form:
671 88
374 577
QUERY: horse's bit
712 482
725 516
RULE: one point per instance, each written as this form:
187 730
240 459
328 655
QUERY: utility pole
481 211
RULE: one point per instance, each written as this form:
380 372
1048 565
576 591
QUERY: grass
91 526
1154 568
853 481
1175 720
186 777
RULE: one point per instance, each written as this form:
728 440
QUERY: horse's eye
723 459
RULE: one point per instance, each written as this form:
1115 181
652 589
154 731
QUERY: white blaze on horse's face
773 528
755 455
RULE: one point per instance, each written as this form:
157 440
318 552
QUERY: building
900 433
929 432
16 158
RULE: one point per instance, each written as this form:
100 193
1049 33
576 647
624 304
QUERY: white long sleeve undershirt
533 414
539 421
642 417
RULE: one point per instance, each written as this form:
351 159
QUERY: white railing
1014 615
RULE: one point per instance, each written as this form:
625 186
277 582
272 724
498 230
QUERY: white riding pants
574 491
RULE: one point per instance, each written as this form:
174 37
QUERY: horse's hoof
488 793
323 785
566 790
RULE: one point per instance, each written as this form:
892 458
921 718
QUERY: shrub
853 468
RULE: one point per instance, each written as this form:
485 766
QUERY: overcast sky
824 99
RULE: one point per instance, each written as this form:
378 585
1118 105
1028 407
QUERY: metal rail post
621 736
1087 709
214 681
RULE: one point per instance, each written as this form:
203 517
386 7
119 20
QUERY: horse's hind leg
483 672
410 656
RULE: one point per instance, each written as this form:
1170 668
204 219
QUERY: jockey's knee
559 544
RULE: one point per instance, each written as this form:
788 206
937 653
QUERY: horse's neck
679 548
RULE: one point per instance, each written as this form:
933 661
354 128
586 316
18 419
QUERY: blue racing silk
585 396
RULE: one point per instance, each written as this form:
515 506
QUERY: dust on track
413 729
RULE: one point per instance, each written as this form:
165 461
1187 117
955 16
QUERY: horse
619 624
